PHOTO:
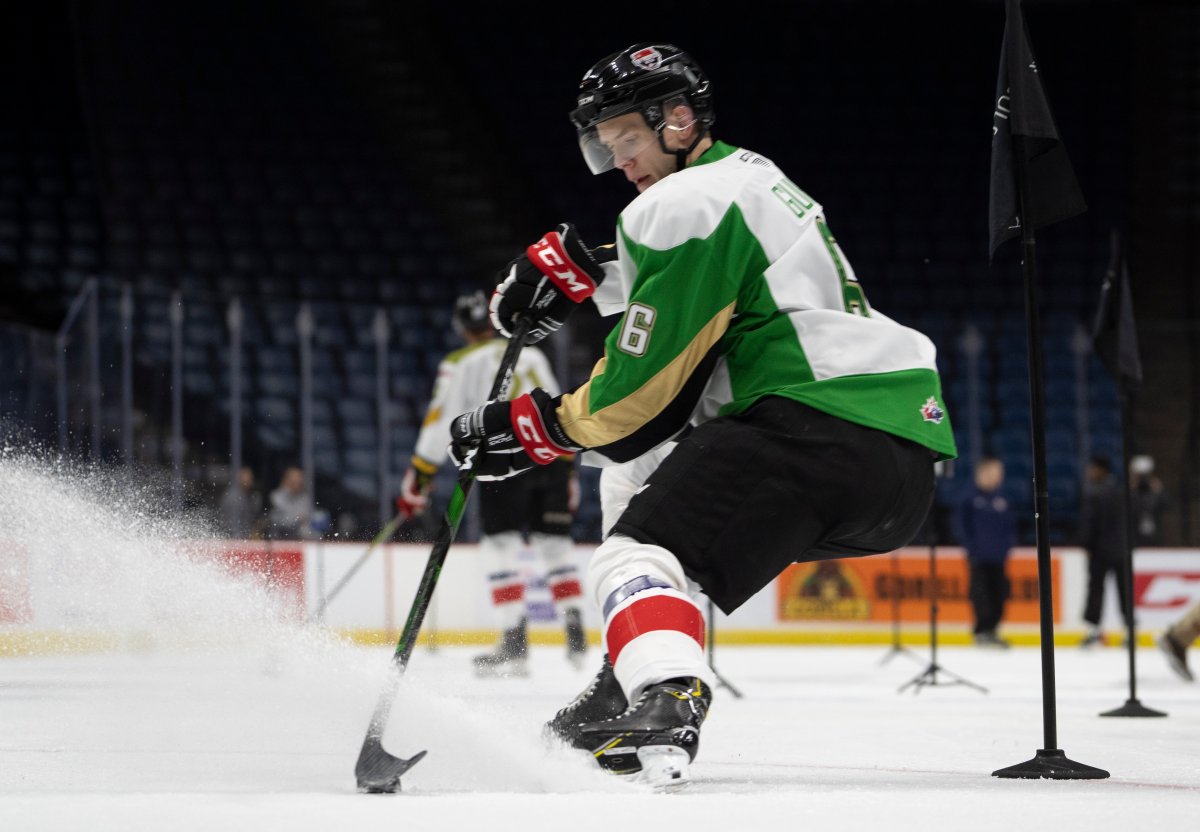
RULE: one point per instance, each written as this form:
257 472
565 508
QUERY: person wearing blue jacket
986 529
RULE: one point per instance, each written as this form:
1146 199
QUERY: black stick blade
377 771
1133 707
1051 763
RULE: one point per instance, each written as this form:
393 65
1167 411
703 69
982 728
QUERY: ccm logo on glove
549 255
545 283
532 433
501 439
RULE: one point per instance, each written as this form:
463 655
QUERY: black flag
1114 336
1022 124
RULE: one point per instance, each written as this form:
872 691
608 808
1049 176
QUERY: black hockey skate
656 738
601 699
510 658
576 638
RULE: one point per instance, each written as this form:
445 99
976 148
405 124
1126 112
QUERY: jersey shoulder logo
932 412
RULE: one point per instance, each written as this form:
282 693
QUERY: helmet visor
613 142
610 144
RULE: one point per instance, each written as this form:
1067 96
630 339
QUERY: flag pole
1117 287
1050 761
1132 706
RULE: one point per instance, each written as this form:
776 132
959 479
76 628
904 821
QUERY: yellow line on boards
17 643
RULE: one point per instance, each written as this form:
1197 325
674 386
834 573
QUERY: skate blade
665 768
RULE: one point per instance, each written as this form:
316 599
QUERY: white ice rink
265 738
212 715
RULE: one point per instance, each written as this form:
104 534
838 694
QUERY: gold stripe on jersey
423 465
623 418
458 354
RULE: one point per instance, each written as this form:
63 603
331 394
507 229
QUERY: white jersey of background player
537 510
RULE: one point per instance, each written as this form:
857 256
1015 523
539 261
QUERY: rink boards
869 600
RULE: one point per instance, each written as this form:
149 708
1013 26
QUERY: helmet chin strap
681 155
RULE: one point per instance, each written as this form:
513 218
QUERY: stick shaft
384 533
437 556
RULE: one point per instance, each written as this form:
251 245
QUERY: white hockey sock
653 629
653 633
505 582
562 576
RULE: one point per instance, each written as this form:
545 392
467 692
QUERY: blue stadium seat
278 384
362 485
355 412
359 435
275 410
199 382
360 461
326 460
360 385
275 359
275 437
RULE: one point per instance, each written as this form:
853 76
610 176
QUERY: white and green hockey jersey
733 288
464 380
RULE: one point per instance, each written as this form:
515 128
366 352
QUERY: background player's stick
712 639
377 771
384 533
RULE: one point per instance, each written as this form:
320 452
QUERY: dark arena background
232 235
351 158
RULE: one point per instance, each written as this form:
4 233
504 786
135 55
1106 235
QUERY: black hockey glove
499 440
546 283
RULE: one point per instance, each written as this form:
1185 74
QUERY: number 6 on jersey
635 331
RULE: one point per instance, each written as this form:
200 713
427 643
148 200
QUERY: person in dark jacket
1102 535
986 529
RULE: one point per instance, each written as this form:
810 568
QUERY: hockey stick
384 533
377 771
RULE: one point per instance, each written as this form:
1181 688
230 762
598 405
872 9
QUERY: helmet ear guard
678 114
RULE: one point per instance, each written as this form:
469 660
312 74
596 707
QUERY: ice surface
216 715
266 738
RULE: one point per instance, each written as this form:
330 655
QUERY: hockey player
1176 639
537 510
751 408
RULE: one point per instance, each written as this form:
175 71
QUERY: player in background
751 409
1176 639
537 510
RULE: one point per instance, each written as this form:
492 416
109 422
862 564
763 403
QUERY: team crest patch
648 58
931 412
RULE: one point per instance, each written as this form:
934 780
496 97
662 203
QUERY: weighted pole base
1133 707
1051 763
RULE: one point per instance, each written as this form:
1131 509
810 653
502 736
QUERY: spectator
290 514
986 528
1102 534
240 511
1149 501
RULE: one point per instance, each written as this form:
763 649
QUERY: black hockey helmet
471 313
643 78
